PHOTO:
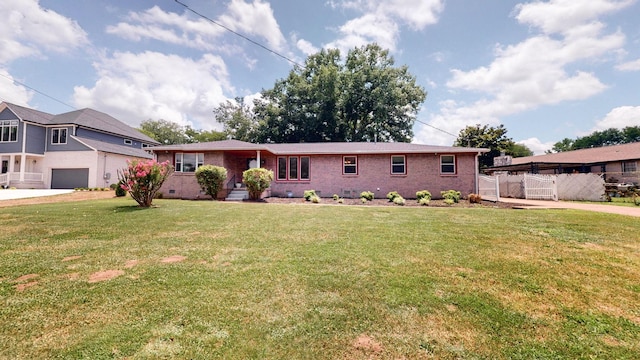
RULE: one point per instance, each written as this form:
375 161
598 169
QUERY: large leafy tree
493 138
366 98
606 137
237 119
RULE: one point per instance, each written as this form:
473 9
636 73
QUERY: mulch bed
385 202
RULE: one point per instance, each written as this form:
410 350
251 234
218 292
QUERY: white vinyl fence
489 188
583 187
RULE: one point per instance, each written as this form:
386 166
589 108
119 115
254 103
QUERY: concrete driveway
12 194
547 204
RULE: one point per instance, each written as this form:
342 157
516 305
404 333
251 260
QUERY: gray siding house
82 148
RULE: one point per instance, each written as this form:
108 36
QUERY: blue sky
545 69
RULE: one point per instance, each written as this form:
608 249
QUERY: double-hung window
350 165
8 130
189 162
447 164
398 165
293 168
629 168
59 136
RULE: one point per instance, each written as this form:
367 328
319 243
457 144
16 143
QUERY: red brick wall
374 174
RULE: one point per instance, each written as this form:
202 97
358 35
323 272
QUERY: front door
5 166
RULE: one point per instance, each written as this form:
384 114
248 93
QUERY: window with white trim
128 142
59 136
398 165
447 164
293 168
629 167
189 162
8 130
350 165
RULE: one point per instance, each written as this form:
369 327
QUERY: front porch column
23 165
258 159
12 161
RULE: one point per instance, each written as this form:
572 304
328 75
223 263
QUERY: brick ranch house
345 169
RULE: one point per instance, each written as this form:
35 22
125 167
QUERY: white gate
489 187
540 187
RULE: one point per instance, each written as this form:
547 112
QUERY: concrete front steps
237 194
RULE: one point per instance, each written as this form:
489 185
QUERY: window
293 168
128 142
448 164
629 167
8 130
59 136
350 165
189 162
398 165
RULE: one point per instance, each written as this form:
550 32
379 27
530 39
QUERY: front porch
21 171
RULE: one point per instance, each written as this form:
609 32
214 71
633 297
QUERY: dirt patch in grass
105 275
24 286
131 263
173 259
24 278
367 343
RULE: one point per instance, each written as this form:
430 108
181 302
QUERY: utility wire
239 34
38 91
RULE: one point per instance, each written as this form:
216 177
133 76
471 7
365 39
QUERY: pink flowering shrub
143 178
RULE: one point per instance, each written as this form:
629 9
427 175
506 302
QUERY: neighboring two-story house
77 149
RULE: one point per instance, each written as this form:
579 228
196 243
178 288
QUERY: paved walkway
547 204
12 194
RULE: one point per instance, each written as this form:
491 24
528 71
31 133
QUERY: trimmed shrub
424 201
315 199
399 200
452 195
308 194
336 197
340 201
392 195
257 181
143 179
211 179
422 194
368 195
120 191
449 201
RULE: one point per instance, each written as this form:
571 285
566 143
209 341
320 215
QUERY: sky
546 70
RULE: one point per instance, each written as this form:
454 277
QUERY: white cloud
619 118
534 144
381 20
533 72
150 85
306 47
12 92
29 30
629 66
254 19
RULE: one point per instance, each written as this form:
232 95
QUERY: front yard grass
105 279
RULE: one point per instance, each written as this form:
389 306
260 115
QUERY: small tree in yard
257 181
211 179
143 179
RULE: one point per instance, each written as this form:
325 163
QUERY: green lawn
303 281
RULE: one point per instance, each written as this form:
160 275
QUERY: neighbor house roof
113 148
597 155
325 148
87 118
96 120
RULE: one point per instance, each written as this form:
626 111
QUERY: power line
431 126
239 34
38 91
